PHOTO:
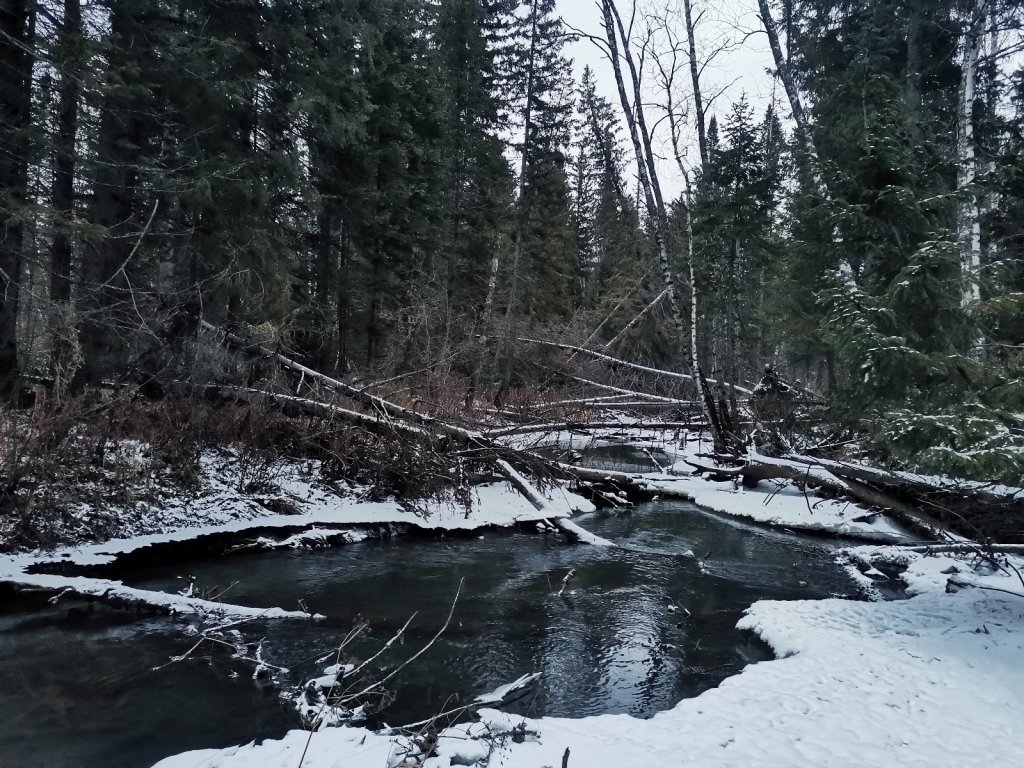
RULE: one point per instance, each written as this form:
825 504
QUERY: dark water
616 456
620 642
77 690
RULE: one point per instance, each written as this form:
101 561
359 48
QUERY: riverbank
296 509
930 681
853 680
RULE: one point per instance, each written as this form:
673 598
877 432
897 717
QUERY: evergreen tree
540 82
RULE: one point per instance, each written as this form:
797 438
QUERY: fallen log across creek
910 501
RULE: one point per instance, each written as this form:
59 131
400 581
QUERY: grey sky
741 68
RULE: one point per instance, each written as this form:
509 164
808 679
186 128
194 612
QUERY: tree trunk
321 336
341 360
969 219
788 81
66 155
698 98
108 307
17 19
523 206
63 333
648 179
803 132
915 60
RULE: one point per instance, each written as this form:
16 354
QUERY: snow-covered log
536 498
587 426
116 594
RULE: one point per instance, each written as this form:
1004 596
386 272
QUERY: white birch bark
698 96
648 179
969 215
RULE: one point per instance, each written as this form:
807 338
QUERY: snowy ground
933 681
783 504
220 508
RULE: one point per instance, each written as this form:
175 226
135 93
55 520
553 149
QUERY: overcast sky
740 69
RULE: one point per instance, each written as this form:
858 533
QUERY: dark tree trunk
63 192
341 363
915 60
16 33
785 74
321 336
108 309
698 98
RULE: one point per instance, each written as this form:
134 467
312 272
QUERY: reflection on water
614 456
641 628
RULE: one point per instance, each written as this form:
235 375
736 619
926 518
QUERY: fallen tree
910 501
626 364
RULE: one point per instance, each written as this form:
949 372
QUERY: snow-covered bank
932 681
777 503
221 509
784 505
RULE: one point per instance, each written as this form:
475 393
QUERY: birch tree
968 215
640 136
805 137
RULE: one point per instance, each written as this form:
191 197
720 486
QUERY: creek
638 628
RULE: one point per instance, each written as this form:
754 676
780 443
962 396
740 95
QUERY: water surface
638 628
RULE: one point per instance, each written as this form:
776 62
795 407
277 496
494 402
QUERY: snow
313 538
924 572
177 604
779 504
502 691
931 681
935 680
585 536
786 506
494 504
953 483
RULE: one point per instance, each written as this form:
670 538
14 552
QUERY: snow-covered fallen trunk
543 505
783 506
502 692
116 593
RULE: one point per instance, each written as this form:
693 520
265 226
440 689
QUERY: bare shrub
65 349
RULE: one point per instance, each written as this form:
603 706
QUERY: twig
384 648
416 655
956 583
138 242
565 581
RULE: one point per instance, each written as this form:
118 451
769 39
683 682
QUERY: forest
402 186
433 383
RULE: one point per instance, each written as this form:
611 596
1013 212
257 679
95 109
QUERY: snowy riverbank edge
932 681
779 504
221 509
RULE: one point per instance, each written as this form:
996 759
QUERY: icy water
78 688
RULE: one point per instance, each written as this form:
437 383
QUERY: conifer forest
386 187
